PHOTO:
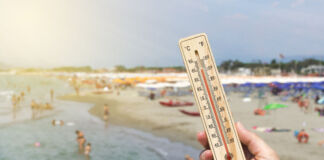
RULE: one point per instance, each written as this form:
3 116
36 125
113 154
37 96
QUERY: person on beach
22 95
14 106
87 150
52 95
152 96
33 107
77 90
321 143
304 104
18 101
28 89
254 147
106 114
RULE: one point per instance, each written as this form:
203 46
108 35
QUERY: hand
254 147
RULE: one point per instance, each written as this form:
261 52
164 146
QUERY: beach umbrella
274 106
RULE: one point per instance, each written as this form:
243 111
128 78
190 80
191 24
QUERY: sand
130 110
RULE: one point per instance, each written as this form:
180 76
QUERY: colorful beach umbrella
274 106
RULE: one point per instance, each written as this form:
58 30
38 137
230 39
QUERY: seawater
17 138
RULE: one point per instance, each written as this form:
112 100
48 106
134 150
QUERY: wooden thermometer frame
210 98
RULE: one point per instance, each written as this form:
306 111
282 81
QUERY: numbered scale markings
210 97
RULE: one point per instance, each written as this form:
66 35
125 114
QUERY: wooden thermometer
210 98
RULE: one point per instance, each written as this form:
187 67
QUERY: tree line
228 65
293 65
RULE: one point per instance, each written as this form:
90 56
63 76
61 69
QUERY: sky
105 33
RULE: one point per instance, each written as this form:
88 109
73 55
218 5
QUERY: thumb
254 143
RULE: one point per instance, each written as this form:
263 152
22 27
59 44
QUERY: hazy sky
104 33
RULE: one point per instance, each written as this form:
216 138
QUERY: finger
202 138
206 155
254 143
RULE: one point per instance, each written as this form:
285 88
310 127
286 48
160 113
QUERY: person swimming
14 105
87 149
187 157
61 123
33 107
57 122
80 139
79 134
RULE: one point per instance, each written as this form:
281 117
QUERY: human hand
254 147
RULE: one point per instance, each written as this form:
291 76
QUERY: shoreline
120 113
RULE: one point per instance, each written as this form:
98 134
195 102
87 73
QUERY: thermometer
210 98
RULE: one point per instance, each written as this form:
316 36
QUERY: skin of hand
254 147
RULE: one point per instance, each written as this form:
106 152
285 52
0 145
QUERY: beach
59 141
131 110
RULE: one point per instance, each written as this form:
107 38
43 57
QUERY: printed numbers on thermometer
210 98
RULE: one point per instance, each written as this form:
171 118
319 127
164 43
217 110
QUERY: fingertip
199 136
207 155
240 126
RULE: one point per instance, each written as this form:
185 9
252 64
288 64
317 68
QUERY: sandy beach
129 109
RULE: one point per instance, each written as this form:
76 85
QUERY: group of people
85 149
303 102
36 108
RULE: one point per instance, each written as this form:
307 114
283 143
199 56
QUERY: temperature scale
210 98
